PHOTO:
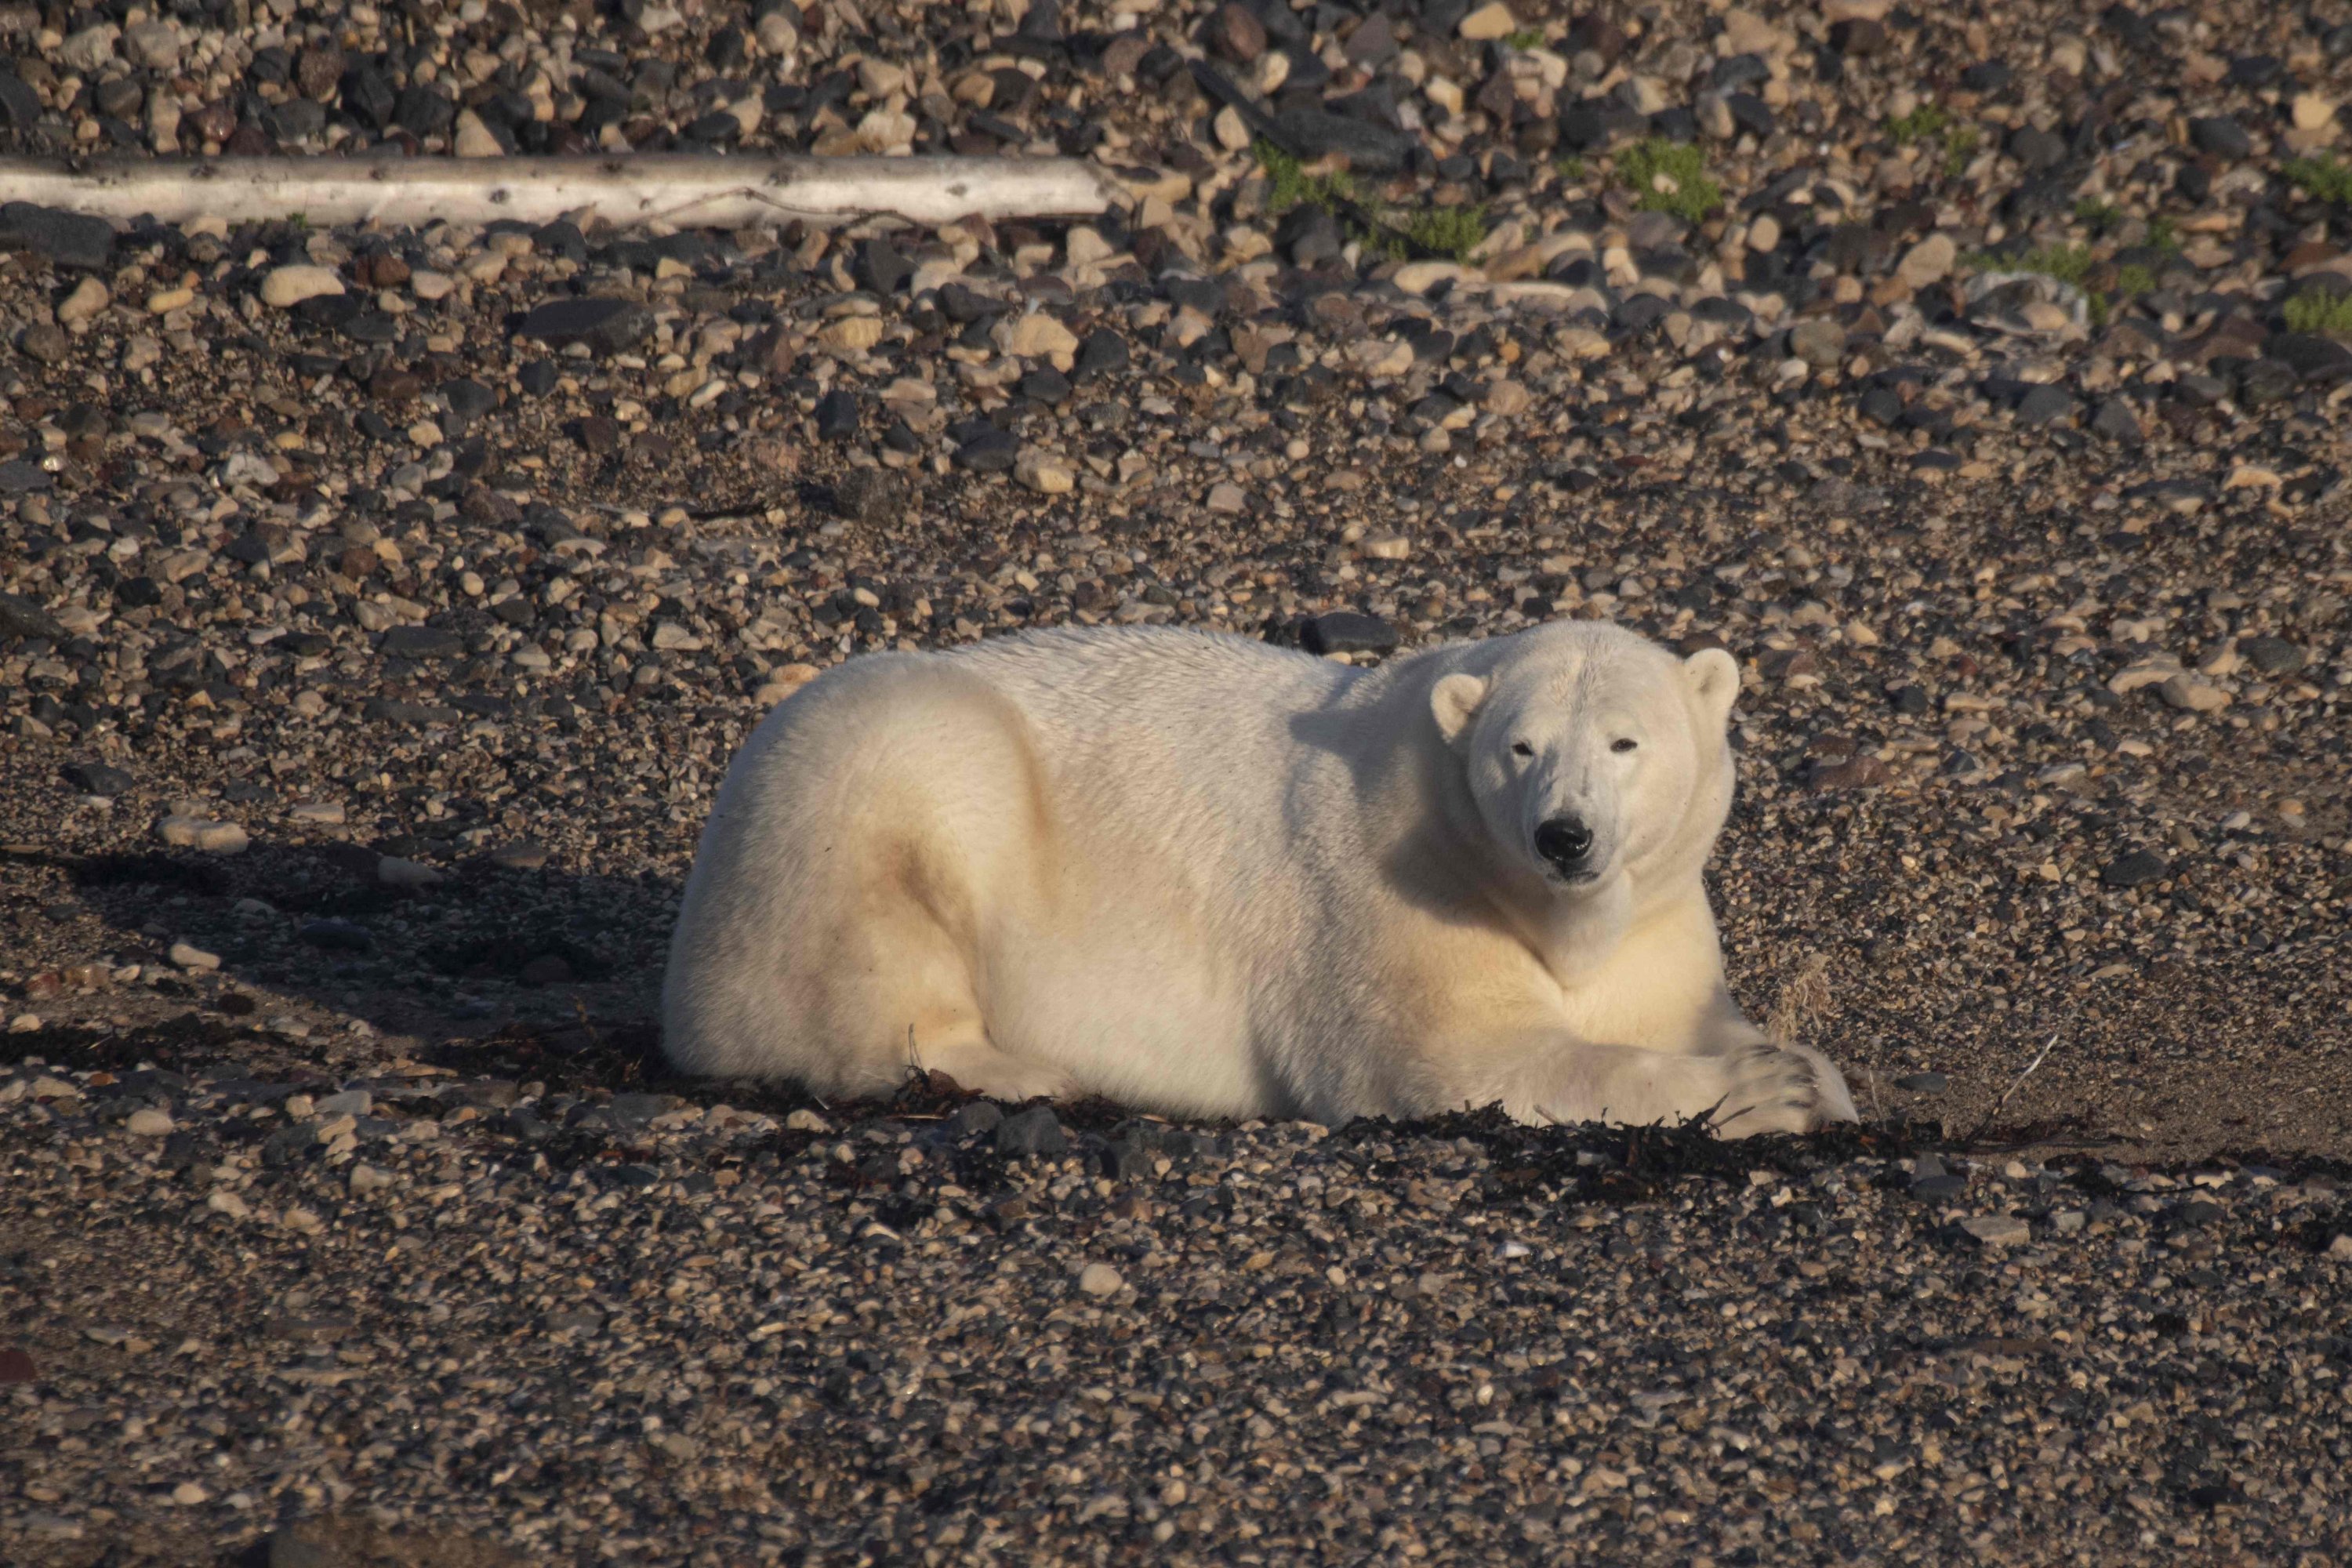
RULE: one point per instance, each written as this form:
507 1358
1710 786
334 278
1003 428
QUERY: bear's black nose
1564 842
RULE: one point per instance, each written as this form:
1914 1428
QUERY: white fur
1202 875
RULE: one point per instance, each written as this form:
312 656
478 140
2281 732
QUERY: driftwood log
685 189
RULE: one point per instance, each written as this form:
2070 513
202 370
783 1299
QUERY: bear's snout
1564 842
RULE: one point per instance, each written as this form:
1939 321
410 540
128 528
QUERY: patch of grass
1526 39
2132 280
1927 122
1452 232
1289 184
2164 233
2316 312
1570 167
2100 215
2325 177
2067 263
1959 148
1670 177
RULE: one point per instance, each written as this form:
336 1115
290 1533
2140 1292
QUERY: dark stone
1046 385
539 377
836 414
869 495
607 326
2313 357
1750 114
2037 149
1346 631
20 617
97 778
298 120
1881 405
1100 353
421 111
992 451
2265 380
2045 406
369 94
413 714
20 106
1310 237
1923 1082
424 642
881 267
67 240
1308 133
980 1116
2139 867
1988 76
467 398
1234 33
2221 136
338 936
2272 656
1032 1131
2116 422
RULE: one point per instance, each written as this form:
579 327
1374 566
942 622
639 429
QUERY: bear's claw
1776 1089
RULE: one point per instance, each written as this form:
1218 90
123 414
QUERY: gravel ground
378 611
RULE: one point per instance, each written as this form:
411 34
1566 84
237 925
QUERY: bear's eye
1521 749
1623 743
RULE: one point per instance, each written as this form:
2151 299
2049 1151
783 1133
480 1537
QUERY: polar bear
1205 876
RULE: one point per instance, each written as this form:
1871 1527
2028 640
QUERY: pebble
187 955
286 287
1998 1230
1100 1279
202 833
149 1123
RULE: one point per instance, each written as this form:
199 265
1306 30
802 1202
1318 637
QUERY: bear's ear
1714 677
1453 703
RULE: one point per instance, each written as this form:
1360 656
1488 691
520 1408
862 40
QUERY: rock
67 240
2116 422
394 872
2340 1248
1487 23
2221 136
1998 1230
870 495
2045 406
97 778
605 326
1923 1083
1928 262
149 1123
1235 33
2272 656
2136 869
1227 500
200 832
20 617
836 414
287 287
1040 335
2312 111
1346 631
187 955
1819 343
153 45
1035 1130
2191 695
1100 1279
423 642
1044 472
2316 359
89 298
16 1366
521 855
988 451
338 935
473 139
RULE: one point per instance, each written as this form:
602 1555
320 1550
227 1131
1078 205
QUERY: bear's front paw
1771 1089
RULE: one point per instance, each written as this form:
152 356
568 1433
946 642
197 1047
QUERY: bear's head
1598 761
